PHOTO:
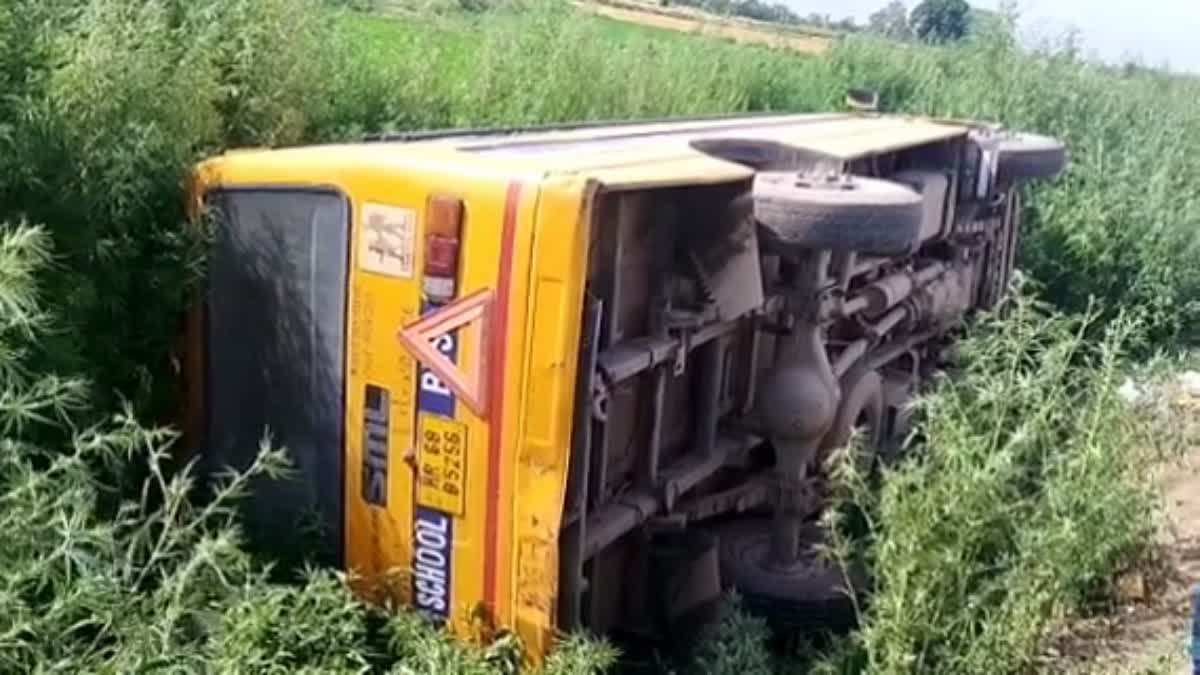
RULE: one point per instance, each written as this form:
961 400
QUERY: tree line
929 21
935 20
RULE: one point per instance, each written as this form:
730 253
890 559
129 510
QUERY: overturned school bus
586 376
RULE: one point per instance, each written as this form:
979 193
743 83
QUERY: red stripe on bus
496 402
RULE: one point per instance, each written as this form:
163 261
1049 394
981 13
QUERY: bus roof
839 135
626 153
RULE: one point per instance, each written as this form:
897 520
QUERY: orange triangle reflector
418 339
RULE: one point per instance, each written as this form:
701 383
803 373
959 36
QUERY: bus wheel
811 595
837 213
1024 157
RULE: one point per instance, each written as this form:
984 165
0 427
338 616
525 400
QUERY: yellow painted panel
661 151
378 535
547 361
513 391
692 168
880 139
392 546
560 268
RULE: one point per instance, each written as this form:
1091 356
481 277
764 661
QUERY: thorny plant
1025 493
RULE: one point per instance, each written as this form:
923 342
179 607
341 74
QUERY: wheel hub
808 594
832 180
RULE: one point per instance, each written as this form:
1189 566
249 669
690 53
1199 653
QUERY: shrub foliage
105 105
1025 495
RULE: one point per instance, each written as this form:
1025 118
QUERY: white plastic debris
1130 392
1189 383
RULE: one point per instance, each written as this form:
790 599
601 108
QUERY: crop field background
702 24
1033 494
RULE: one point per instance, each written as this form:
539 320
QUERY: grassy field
1028 500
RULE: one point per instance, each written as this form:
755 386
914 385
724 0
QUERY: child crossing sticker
387 244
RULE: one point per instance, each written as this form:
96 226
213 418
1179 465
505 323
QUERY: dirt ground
696 22
1149 634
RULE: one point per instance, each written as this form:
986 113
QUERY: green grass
1026 501
542 66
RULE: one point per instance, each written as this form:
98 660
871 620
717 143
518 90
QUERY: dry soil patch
710 26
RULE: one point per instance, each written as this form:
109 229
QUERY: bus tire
843 214
1028 157
809 597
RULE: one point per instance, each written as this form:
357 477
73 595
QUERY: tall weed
106 105
1027 493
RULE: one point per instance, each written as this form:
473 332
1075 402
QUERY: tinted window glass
276 340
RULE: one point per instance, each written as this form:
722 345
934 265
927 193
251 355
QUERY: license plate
442 459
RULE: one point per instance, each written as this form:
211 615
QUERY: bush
736 644
107 104
1027 493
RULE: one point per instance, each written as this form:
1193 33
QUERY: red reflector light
441 255
443 243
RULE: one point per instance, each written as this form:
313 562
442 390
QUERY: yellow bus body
527 202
